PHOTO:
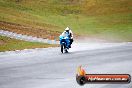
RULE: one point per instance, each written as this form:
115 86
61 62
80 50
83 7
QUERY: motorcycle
65 43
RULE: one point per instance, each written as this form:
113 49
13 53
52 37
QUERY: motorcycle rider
70 34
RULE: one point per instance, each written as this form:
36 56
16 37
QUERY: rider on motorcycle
68 32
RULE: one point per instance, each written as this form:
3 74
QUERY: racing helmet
67 29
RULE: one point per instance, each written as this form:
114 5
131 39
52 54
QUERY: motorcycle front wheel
62 47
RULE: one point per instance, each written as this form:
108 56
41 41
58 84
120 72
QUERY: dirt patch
31 31
28 30
2 42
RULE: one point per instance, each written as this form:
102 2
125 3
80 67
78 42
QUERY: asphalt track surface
48 68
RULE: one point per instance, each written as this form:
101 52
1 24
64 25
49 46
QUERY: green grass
101 18
8 44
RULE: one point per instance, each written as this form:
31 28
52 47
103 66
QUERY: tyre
62 47
66 51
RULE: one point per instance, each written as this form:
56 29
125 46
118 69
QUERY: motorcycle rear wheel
66 51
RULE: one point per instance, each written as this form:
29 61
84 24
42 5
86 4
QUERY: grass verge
9 44
100 18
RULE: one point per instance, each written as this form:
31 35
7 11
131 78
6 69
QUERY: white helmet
67 29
